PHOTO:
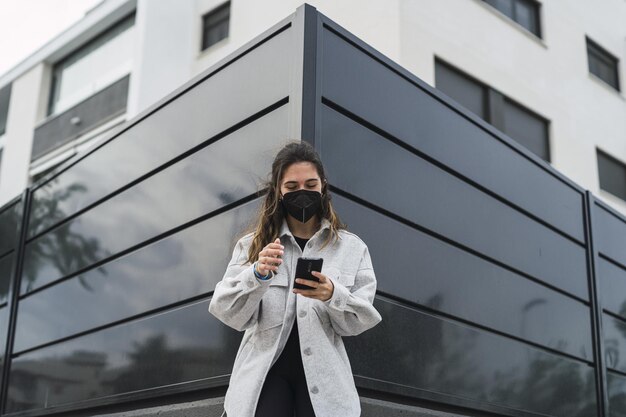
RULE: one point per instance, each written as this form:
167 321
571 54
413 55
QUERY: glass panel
617 394
613 287
423 193
216 25
6 271
612 175
171 270
178 346
527 129
407 111
504 6
217 175
425 353
464 90
76 77
602 64
614 342
10 218
422 269
206 110
526 14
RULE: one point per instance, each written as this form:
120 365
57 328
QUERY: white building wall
24 111
549 76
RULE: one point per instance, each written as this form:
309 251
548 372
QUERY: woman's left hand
322 290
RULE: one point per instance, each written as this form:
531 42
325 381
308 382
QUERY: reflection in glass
207 109
612 286
6 274
425 194
183 265
10 218
178 346
220 174
617 394
422 351
422 269
615 341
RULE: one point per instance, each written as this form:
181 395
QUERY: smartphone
304 268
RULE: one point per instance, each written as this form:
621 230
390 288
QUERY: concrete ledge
214 407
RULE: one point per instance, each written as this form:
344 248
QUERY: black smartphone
304 268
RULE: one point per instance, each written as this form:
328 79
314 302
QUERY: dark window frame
536 9
606 58
493 106
611 159
212 20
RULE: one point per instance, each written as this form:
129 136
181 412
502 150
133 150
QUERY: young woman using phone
292 358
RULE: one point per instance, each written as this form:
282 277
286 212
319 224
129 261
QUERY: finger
319 275
274 246
308 282
271 263
270 260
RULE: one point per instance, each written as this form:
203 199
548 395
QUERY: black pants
285 391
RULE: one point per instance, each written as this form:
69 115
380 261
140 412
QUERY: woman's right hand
269 258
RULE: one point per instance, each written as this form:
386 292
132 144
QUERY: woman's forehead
300 171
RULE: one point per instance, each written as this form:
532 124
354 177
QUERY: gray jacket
266 311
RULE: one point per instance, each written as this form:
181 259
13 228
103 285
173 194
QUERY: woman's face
298 176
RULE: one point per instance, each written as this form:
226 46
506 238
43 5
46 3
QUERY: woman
291 357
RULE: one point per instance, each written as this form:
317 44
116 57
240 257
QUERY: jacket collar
284 230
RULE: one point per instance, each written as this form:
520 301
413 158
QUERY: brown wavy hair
271 214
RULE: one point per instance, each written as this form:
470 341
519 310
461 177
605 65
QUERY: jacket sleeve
237 296
351 311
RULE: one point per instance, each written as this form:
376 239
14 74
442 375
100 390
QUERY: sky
27 25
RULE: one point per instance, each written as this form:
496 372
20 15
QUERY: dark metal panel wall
127 242
479 246
484 264
11 252
175 347
162 197
610 243
211 108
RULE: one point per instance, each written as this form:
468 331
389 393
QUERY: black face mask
302 204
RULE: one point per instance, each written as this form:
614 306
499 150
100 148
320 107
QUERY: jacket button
307 351
302 313
314 390
250 283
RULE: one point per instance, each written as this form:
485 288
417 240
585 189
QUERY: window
95 65
523 12
521 124
612 174
215 25
5 97
602 64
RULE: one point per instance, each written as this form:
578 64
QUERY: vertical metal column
596 307
310 82
14 293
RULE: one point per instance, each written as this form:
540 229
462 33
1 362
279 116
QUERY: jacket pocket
342 276
272 305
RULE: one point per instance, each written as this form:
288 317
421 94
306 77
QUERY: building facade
501 280
548 74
